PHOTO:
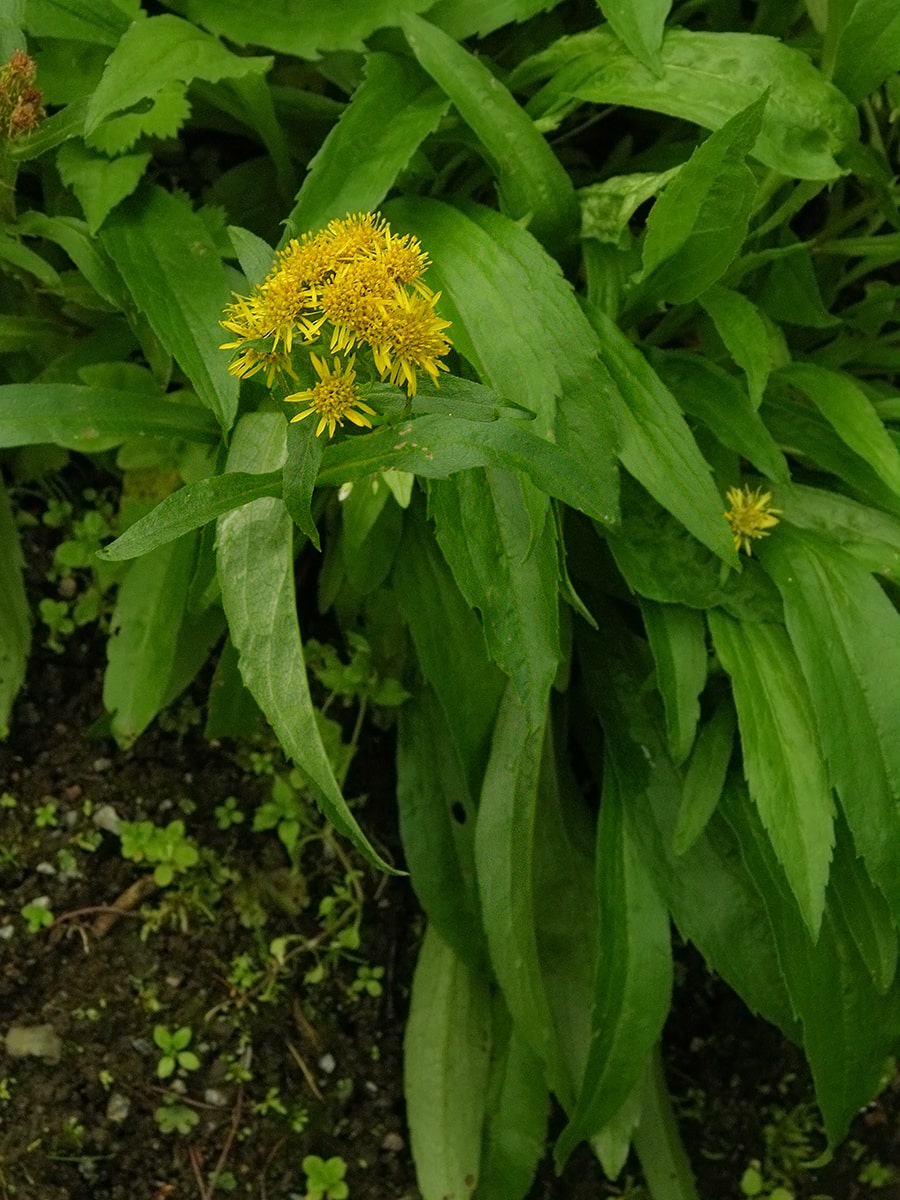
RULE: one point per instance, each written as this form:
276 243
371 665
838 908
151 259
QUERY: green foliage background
666 239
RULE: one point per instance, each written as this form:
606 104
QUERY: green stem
664 1161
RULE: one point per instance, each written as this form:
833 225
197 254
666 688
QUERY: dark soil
81 1121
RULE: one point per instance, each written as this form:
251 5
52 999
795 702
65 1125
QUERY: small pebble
6 932
102 764
73 791
327 1063
215 1097
117 1108
107 818
45 868
371 1088
393 1142
36 1041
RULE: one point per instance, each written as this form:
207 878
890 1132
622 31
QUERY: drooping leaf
707 78
154 52
783 759
15 624
677 638
640 24
697 226
255 553
743 331
149 611
171 266
392 111
846 634
656 445
532 182
68 413
704 777
446 1055
301 470
868 49
633 987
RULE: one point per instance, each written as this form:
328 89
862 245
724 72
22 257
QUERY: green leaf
849 1028
301 469
446 1055
515 1114
533 184
850 412
254 253
713 901
640 25
870 919
256 572
68 413
15 623
189 508
141 651
437 447
506 566
870 536
633 987
305 28
74 238
504 853
790 292
98 182
231 710
704 777
656 445
846 633
171 266
708 393
783 760
677 638
391 113
153 53
102 21
868 49
744 333
466 18
708 78
449 643
697 226
608 206
163 118
437 826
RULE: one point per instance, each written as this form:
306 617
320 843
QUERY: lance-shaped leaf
704 777
868 49
678 640
640 24
743 331
15 625
783 760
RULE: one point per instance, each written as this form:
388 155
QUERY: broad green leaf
19 256
846 634
633 988
704 777
515 1114
533 352
166 113
103 21
196 638
713 901
849 1027
446 1059
437 824
790 291
449 642
437 447
468 18
391 113
744 334
149 612
850 412
73 236
256 571
15 623
532 182
99 183
508 569
608 206
254 253
640 24
870 919
868 49
171 266
370 536
31 413
661 561
153 53
189 508
697 226
708 78
301 469
870 536
504 856
304 28
656 445
714 397
783 760
677 638
231 710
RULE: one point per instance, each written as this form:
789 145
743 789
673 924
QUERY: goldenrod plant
560 347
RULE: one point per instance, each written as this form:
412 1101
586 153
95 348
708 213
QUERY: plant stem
663 1159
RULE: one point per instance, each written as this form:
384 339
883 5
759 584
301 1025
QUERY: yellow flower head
750 516
413 340
334 397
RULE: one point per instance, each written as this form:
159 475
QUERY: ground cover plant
554 351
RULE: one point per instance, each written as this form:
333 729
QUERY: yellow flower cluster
751 516
356 286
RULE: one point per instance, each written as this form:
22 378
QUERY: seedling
45 815
173 1117
37 916
175 1053
367 981
325 1178
167 846
228 813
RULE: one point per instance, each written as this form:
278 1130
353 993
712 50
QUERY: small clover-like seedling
174 1050
175 1118
325 1178
36 917
167 846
